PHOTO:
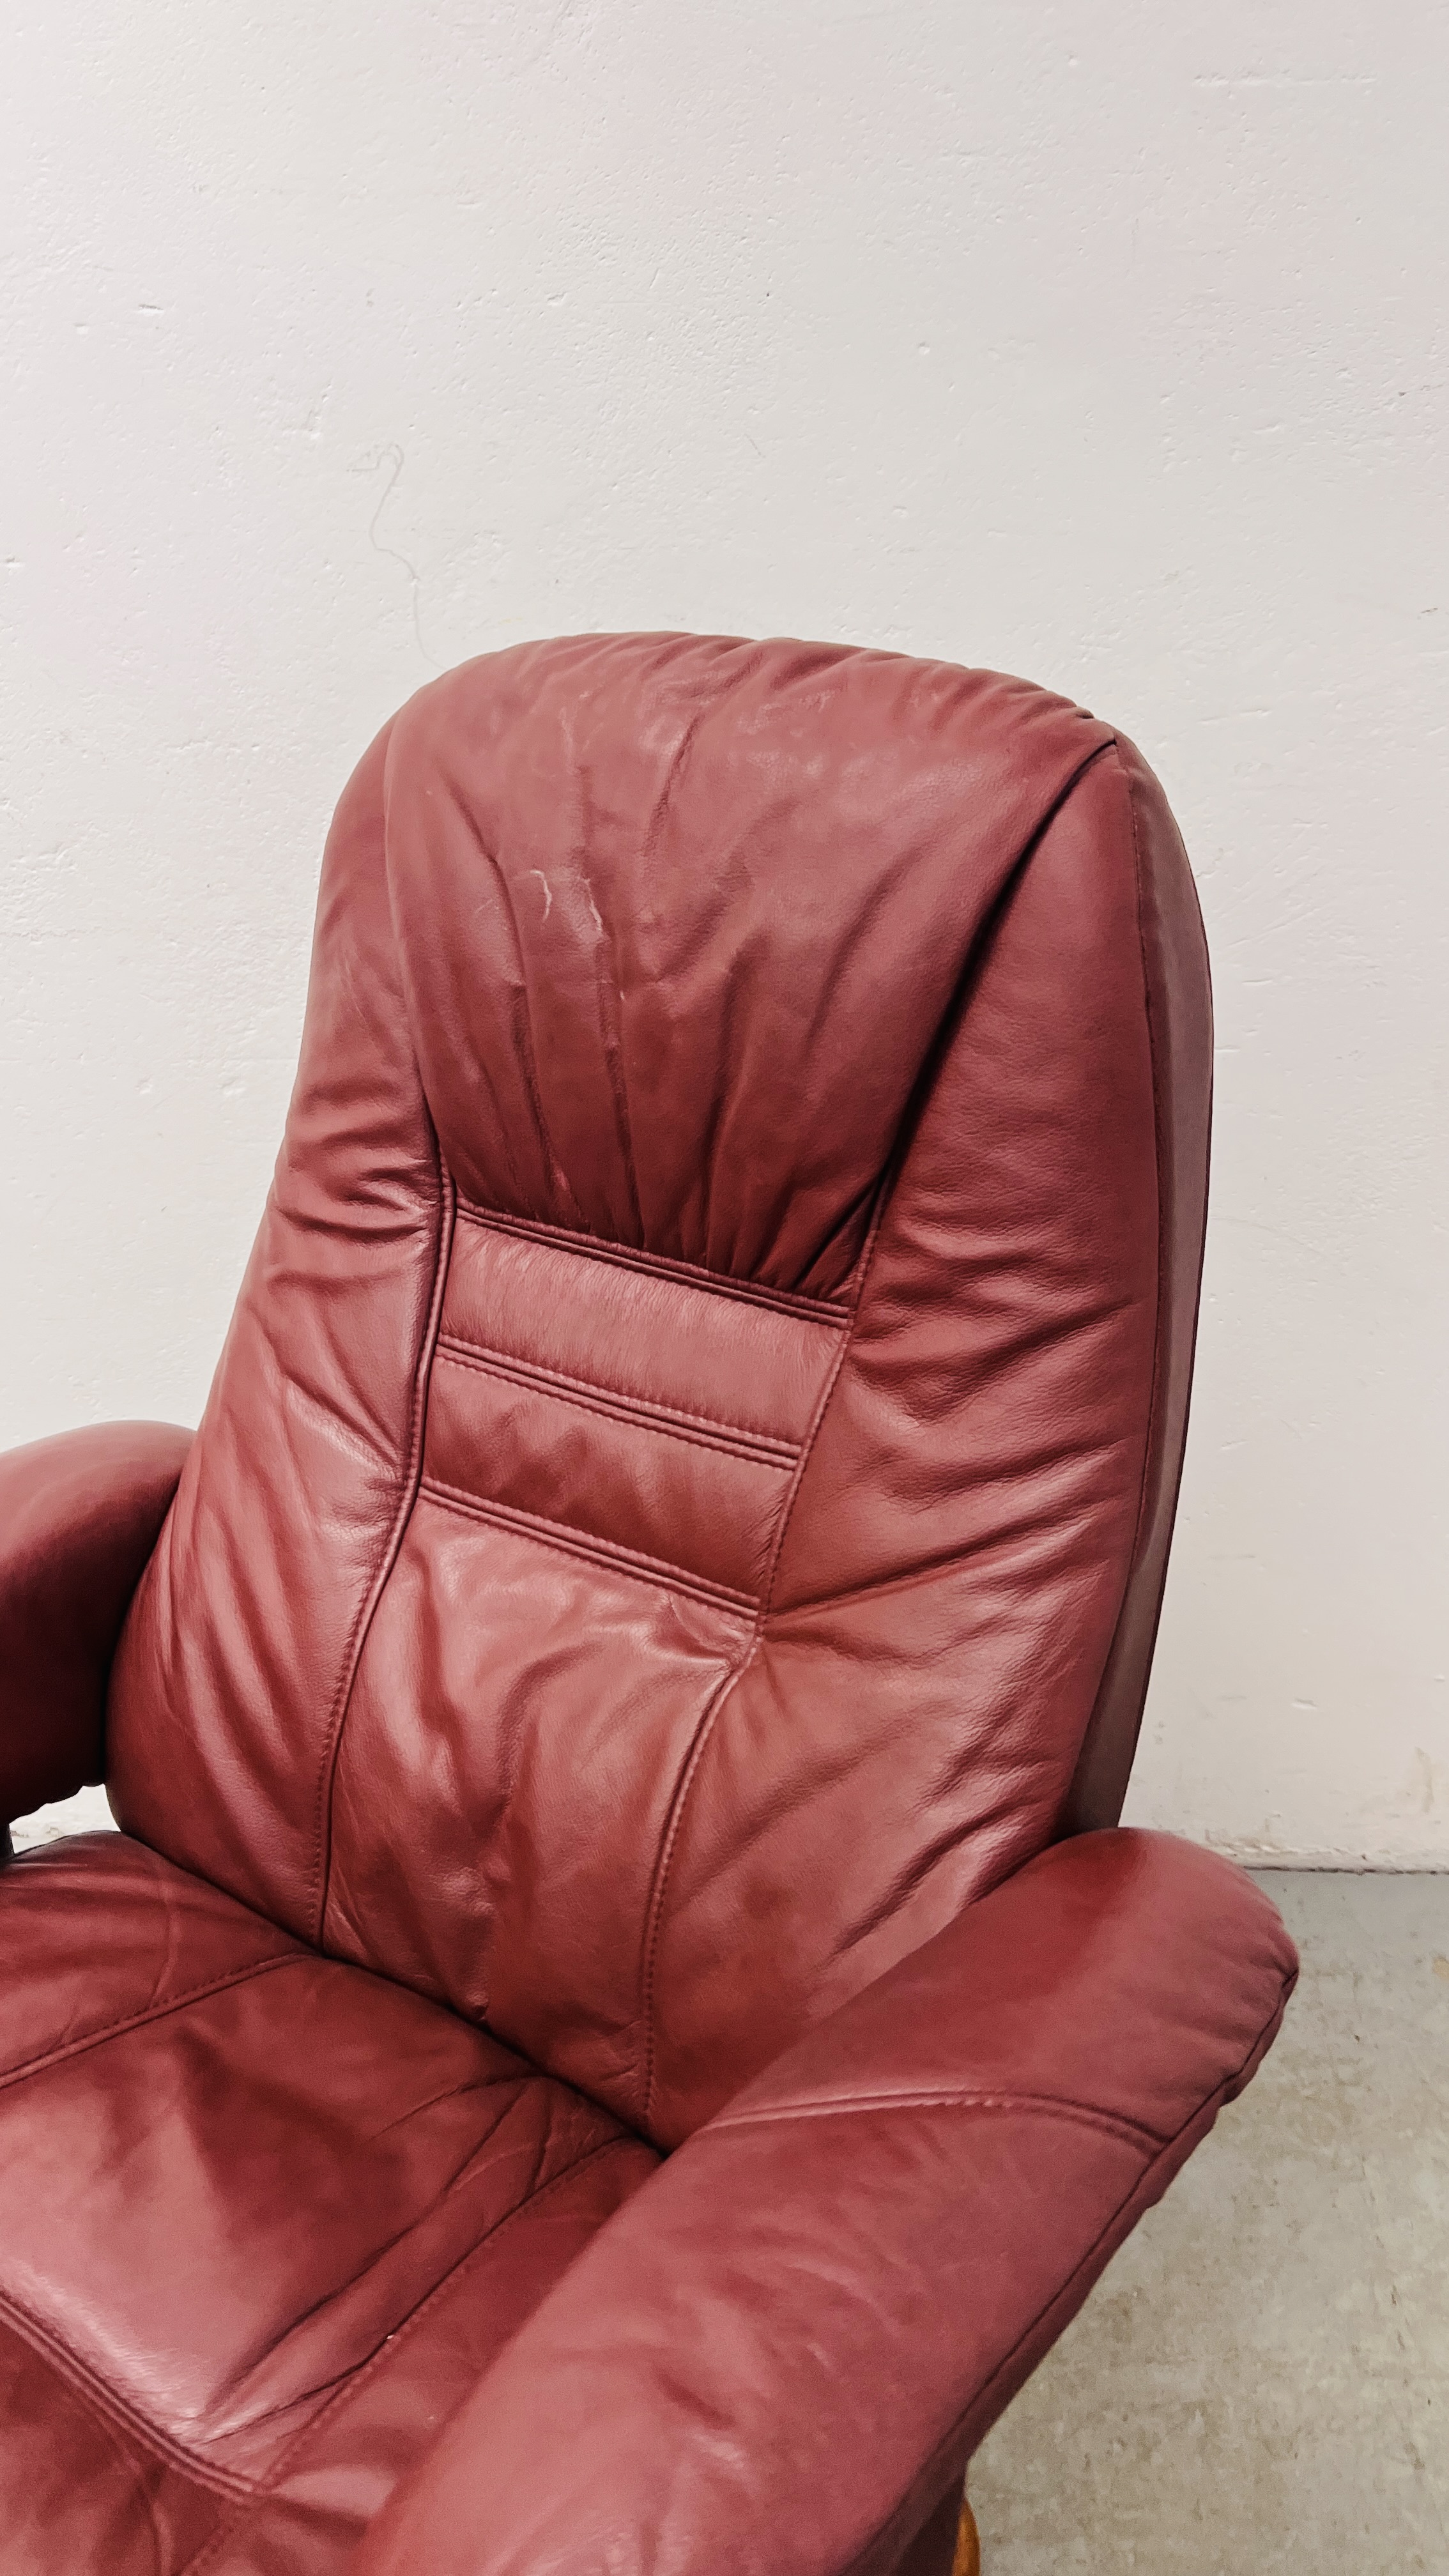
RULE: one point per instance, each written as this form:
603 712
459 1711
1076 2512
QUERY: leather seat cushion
268 2217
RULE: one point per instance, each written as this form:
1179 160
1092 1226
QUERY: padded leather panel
82 2489
724 891
703 1511
709 1351
538 1705
266 2217
660 1413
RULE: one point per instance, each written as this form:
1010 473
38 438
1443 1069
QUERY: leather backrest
684 1500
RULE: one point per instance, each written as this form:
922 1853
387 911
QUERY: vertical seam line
707 1723
407 1498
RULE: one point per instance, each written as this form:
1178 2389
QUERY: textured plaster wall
1100 344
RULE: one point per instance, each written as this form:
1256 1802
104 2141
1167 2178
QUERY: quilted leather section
661 1414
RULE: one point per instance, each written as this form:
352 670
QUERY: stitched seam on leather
559 1534
1043 2105
929 1570
847 1341
655 1919
689 1274
701 1428
1219 2094
108 2402
407 1497
120 2440
262 2490
151 2013
322 2391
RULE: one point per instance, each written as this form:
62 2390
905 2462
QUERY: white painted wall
1100 344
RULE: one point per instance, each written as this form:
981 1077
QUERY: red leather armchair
618 2023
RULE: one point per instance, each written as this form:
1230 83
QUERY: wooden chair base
967 2561
946 2544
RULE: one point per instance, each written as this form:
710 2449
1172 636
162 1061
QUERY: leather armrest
79 1516
778 2354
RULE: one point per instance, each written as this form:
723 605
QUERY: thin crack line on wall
393 455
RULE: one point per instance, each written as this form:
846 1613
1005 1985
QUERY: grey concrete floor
1260 2382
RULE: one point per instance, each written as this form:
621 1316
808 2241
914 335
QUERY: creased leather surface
590 1501
788 2332
266 2218
81 2489
710 878
678 1526
959 1546
78 1519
